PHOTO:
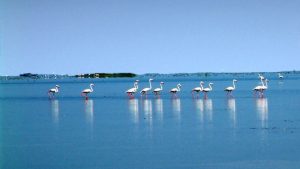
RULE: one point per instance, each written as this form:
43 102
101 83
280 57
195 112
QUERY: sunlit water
113 132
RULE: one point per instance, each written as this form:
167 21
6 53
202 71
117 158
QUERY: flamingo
261 88
130 92
198 89
147 89
175 90
280 76
264 87
208 89
230 89
51 92
85 92
157 91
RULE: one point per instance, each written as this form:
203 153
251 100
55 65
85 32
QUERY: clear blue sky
162 36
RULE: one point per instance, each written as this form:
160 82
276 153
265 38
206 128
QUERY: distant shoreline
25 76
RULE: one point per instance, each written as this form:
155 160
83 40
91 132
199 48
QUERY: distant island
202 75
105 75
56 76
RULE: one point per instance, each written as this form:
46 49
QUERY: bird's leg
259 94
193 94
254 93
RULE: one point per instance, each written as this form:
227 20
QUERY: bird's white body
133 90
157 91
207 89
261 88
198 89
177 89
147 89
87 91
53 91
280 76
231 88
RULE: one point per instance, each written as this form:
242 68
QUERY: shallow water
111 131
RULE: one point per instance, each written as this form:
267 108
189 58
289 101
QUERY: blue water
111 131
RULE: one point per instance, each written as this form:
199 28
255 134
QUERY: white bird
147 89
175 90
280 76
208 89
261 88
51 92
264 87
198 89
157 91
130 92
85 92
230 88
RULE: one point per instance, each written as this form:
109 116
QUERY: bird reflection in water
55 110
208 107
232 110
199 108
262 111
134 109
176 105
159 108
89 111
147 108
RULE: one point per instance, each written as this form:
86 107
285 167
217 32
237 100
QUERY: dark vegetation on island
56 76
106 75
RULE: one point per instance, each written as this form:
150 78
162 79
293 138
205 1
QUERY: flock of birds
258 90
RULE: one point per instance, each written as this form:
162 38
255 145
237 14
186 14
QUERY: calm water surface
113 132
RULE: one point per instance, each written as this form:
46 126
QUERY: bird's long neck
233 83
91 86
178 87
201 86
56 89
262 82
210 87
266 83
136 85
150 84
161 86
